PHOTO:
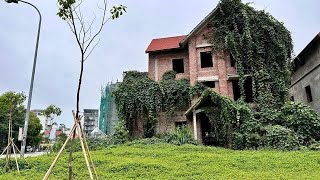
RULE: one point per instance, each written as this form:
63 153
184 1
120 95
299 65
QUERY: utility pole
26 123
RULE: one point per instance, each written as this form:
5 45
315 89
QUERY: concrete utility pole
26 123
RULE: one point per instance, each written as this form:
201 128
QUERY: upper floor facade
192 58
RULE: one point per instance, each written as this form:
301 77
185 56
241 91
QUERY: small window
291 98
210 84
180 124
206 59
309 94
178 65
232 61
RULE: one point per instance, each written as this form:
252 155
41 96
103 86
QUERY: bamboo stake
5 150
87 147
58 155
15 156
9 142
84 151
71 147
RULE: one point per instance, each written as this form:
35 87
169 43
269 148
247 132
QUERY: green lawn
164 161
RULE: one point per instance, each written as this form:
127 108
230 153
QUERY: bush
121 134
279 137
302 119
181 135
315 146
169 75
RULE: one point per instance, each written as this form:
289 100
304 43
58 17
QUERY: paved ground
33 154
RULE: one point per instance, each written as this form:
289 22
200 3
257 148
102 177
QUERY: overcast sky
122 46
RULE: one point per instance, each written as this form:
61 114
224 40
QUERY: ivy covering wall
139 98
262 48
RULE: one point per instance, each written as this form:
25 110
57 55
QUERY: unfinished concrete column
195 133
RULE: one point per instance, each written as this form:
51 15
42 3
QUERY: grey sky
121 48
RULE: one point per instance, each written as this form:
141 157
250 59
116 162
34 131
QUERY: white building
43 119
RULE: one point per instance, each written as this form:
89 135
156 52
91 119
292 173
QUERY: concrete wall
308 75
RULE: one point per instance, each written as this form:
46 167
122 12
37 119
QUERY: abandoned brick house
191 57
305 80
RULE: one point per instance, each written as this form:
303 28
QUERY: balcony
235 76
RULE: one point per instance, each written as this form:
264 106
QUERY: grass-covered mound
165 161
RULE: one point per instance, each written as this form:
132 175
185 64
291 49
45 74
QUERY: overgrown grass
165 161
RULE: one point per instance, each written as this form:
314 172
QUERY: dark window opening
309 94
180 124
291 98
232 61
209 138
210 84
206 59
247 90
178 65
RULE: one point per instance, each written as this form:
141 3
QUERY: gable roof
178 42
162 44
201 25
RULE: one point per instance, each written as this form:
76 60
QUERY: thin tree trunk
9 141
77 118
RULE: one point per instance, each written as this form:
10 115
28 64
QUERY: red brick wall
221 65
164 61
166 125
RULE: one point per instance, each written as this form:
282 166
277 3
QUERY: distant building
90 120
305 79
108 112
43 119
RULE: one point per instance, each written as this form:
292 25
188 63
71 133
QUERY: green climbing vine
261 47
139 98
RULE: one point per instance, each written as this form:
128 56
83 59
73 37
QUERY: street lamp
24 139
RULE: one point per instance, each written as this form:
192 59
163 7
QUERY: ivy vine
138 98
261 47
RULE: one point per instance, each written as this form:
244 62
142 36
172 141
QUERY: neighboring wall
308 75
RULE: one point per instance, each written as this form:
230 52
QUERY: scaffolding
108 111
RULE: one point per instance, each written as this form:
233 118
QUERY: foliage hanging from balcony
258 43
140 98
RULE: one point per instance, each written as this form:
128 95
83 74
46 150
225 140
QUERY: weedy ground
166 161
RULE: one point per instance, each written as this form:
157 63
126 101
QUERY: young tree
11 107
86 38
51 112
34 136
10 104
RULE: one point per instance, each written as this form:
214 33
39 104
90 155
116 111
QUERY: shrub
302 119
169 75
315 146
121 134
280 137
181 135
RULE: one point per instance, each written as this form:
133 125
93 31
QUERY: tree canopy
13 102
